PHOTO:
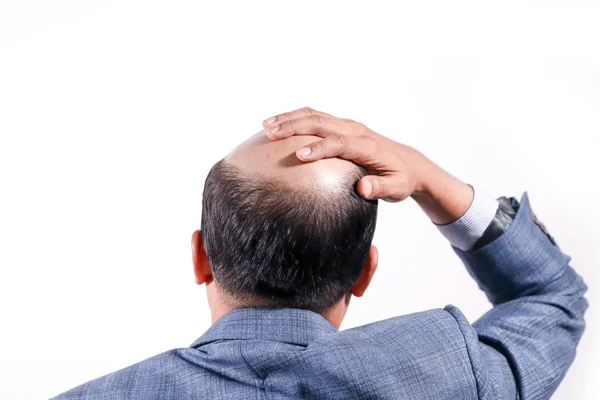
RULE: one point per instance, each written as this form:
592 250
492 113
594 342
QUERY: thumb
392 188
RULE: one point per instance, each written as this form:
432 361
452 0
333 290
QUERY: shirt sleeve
470 227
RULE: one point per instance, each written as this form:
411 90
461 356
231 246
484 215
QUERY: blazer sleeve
524 345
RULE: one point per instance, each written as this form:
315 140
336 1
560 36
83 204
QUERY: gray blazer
520 349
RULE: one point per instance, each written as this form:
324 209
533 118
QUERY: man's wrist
441 196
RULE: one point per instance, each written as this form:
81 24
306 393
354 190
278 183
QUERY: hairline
350 178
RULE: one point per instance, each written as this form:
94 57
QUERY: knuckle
309 111
378 188
319 146
401 189
338 140
360 128
319 119
287 115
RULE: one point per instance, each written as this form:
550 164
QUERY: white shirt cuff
468 229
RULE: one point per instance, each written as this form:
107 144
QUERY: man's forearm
441 196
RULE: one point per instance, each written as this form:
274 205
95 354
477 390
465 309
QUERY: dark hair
282 246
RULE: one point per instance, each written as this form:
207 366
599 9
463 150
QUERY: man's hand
396 171
395 167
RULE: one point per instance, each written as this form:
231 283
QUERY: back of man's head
283 239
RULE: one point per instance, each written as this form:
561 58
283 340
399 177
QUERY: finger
392 188
299 113
353 148
309 125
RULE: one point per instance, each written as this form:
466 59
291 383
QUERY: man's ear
202 269
361 284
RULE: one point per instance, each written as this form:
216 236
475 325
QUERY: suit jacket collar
288 325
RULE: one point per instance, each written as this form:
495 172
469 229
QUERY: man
285 242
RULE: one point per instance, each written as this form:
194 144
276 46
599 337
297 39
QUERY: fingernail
303 152
367 189
269 121
273 129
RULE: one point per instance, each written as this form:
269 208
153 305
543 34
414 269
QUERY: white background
112 112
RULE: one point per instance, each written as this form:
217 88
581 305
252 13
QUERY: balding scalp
283 244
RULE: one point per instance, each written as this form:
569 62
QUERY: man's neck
335 315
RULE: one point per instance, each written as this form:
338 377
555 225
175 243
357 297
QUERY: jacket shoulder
420 355
146 379
422 326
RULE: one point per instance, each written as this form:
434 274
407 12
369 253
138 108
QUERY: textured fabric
470 227
521 348
507 209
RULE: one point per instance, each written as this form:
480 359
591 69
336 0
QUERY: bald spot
276 159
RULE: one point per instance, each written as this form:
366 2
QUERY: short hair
277 245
